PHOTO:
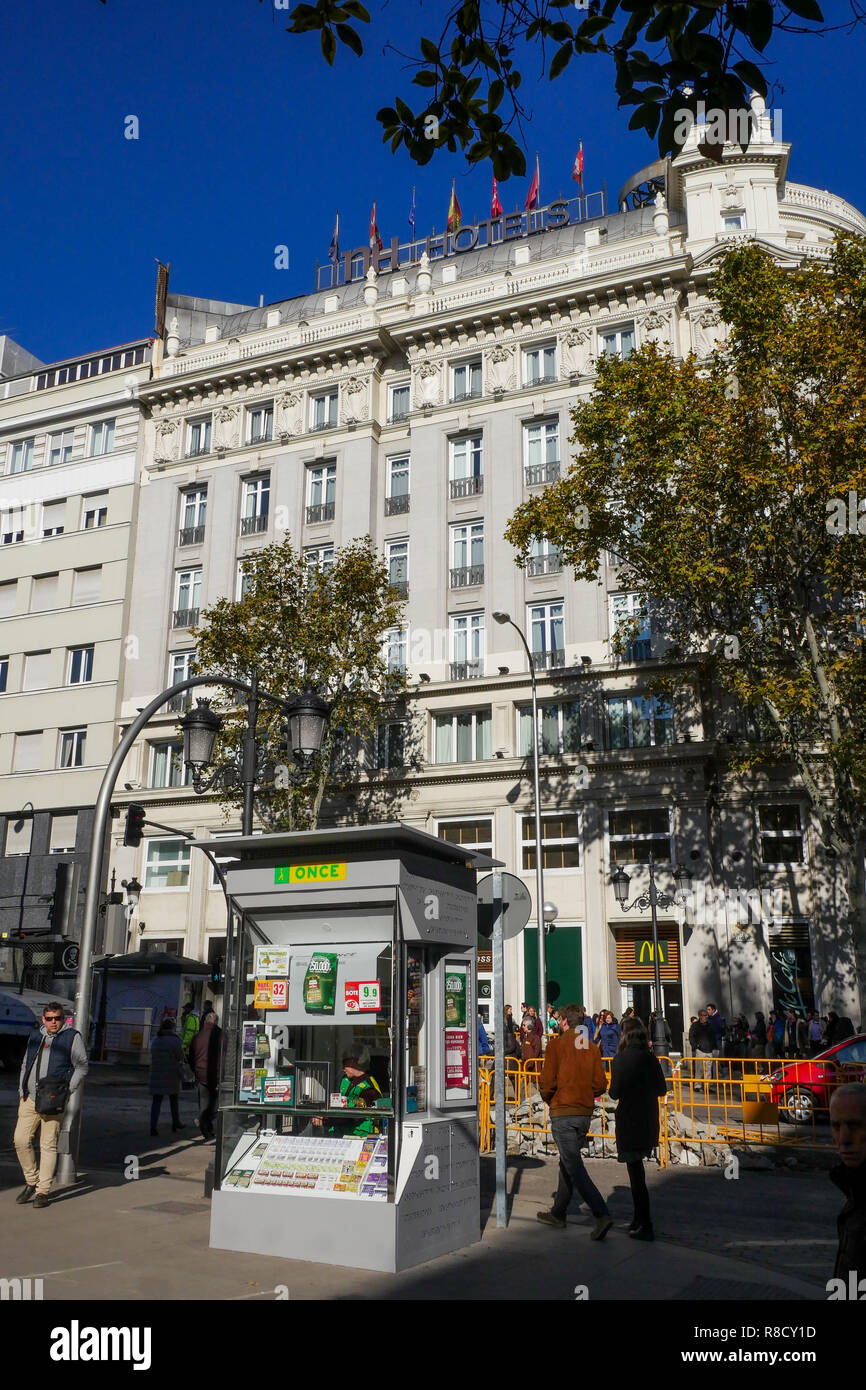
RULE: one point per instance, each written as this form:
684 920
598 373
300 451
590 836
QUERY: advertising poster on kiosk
458 1052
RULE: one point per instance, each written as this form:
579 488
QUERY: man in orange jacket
572 1077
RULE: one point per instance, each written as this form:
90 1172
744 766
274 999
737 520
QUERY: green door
564 966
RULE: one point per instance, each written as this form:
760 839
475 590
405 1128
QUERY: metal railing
544 564
401 586
396 506
534 474
185 617
191 535
547 661
467 487
466 576
253 525
467 670
322 511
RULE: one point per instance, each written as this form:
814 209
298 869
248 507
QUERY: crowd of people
783 1033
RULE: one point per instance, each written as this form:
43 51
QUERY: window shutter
37 671
44 592
87 585
28 753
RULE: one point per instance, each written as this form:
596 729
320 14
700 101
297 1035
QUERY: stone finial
661 216
371 289
172 342
424 279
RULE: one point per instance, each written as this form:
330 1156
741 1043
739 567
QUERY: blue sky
248 141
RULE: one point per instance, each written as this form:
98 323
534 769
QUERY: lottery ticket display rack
347 1130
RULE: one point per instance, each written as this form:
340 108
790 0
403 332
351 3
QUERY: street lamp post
539 872
653 899
307 716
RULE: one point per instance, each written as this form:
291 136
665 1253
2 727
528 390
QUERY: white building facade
421 405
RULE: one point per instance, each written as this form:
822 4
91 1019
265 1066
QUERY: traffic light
134 825
57 906
218 971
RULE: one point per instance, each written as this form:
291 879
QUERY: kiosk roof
394 833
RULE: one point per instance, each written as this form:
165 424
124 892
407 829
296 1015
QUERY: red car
801 1088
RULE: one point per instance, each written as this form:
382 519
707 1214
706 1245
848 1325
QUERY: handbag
52 1093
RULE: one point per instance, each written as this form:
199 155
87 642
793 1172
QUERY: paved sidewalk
148 1239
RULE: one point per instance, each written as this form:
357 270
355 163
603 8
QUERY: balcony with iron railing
460 396
536 474
322 511
190 535
177 704
197 451
544 564
465 576
318 425
467 487
546 380
548 661
185 617
401 586
254 525
398 417
467 670
396 506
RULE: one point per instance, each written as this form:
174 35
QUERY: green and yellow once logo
310 873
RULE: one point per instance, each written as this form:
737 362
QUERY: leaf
424 78
758 23
806 9
561 60
350 38
329 46
495 93
430 51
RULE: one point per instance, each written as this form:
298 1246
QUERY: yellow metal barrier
711 1102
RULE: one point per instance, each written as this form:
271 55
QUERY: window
243 583
391 745
319 557
19 833
95 510
477 833
38 672
467 554
539 365
4 673
634 835
733 223
11 525
323 411
541 452
167 864
397 485
101 438
187 598
43 595
397 556
60 447
558 728
27 756
466 380
398 402
167 766
21 455
63 832
461 738
193 511
256 504
9 598
639 721
198 436
629 617
179 669
72 743
560 843
394 647
321 492
466 466
261 423
80 665
781 835
53 517
547 633
544 558
87 584
467 645
619 342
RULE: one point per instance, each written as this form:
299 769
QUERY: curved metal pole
539 872
66 1165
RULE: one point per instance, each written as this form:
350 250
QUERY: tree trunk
856 893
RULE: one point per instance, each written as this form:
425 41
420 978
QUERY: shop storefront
635 970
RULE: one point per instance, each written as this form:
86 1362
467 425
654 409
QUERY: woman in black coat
636 1082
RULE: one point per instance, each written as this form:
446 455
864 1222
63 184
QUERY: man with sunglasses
55 1050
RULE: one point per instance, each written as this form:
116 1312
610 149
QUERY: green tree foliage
729 489
472 72
305 628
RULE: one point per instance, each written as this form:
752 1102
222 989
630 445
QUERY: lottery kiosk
347 1131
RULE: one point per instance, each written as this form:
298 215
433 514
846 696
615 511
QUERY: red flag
577 171
532 195
495 205
375 239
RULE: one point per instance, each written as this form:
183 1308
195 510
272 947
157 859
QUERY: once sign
309 873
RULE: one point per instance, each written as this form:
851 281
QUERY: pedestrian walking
530 1041
509 1034
838 1029
607 1034
539 1027
571 1079
53 1067
848 1125
204 1057
552 1021
814 1034
702 1037
778 1036
636 1083
759 1036
629 1013
789 1034
166 1072
189 1026
483 1041
802 1034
